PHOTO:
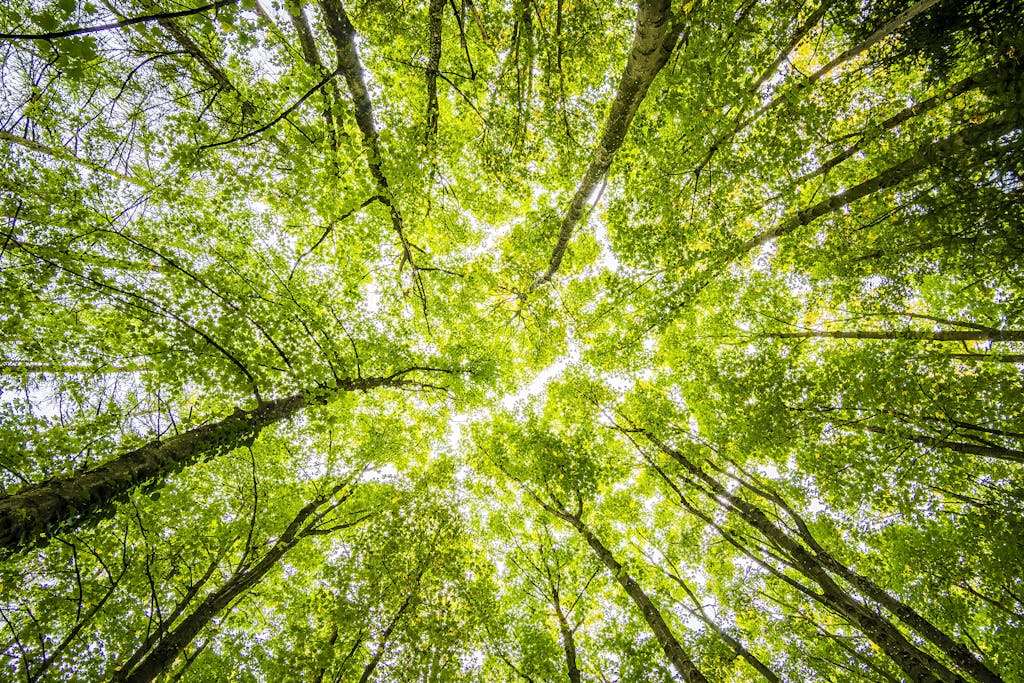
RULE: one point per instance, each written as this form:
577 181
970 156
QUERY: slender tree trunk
655 38
899 335
318 677
167 623
311 55
990 357
435 17
919 666
956 652
965 85
568 637
970 139
161 657
569 646
997 452
65 155
741 123
385 635
680 661
846 56
736 645
343 34
72 500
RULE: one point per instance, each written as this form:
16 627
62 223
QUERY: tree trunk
919 666
435 16
997 452
956 652
923 157
371 666
914 335
72 500
673 650
174 643
655 38
736 645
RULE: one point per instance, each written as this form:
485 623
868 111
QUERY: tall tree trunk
698 611
72 500
919 666
899 335
163 655
680 661
343 34
179 609
567 633
957 652
971 139
655 38
986 451
385 635
435 17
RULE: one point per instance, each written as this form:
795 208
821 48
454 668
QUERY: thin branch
119 24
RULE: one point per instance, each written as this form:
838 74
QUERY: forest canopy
535 340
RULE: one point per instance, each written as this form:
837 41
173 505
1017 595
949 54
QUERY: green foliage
783 348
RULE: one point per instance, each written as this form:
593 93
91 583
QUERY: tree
527 341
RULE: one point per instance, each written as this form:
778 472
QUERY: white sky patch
385 472
607 258
539 383
873 282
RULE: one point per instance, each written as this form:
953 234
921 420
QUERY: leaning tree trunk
918 665
653 41
163 655
72 500
992 335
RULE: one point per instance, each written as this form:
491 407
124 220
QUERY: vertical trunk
653 42
343 34
568 638
435 16
318 677
311 55
683 665
385 635
569 645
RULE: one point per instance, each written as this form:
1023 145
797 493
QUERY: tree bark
957 653
970 139
919 666
179 609
435 17
736 645
174 643
72 500
655 38
680 661
896 335
343 34
385 635
997 452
